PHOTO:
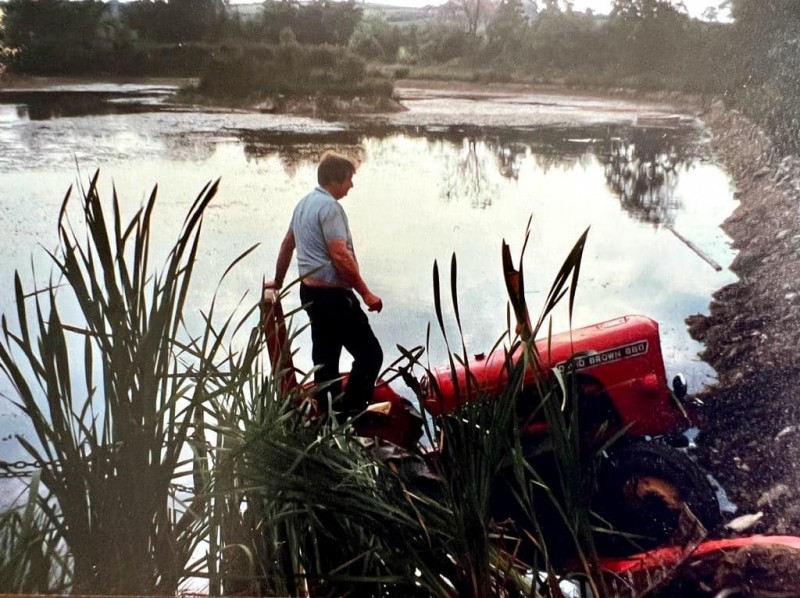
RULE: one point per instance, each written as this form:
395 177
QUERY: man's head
335 173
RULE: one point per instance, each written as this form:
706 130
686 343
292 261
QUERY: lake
459 171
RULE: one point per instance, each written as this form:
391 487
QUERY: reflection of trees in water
297 148
470 174
509 158
478 162
645 178
547 160
467 175
188 147
294 155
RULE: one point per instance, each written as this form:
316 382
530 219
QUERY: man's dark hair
334 168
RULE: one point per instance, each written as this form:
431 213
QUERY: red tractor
622 389
617 371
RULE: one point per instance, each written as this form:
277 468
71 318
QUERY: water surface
457 173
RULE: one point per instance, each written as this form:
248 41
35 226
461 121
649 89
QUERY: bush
290 69
52 57
367 46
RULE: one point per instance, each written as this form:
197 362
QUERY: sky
695 7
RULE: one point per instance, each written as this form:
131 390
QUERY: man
329 274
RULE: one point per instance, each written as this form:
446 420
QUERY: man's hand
373 302
272 284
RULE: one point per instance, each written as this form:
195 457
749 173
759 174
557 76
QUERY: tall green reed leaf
30 558
116 398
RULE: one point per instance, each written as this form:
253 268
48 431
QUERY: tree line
645 44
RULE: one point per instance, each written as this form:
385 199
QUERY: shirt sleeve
334 223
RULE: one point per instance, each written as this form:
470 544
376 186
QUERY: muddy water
457 173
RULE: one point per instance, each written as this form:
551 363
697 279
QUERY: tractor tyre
641 490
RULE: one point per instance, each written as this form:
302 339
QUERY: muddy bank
751 441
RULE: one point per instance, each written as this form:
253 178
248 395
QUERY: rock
785 431
741 464
772 495
744 522
761 172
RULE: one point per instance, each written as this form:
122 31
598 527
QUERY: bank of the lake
752 437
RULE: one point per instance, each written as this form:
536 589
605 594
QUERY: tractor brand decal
584 361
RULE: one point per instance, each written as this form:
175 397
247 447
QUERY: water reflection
468 175
10 113
190 147
645 177
636 165
49 104
422 193
509 159
295 148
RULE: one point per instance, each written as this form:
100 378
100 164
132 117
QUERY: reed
31 562
115 396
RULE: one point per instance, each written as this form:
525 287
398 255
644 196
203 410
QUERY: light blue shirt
317 219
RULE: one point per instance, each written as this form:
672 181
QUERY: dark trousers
337 321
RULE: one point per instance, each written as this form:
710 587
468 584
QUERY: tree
562 40
149 19
651 32
472 13
766 48
471 10
556 5
318 22
645 9
193 20
32 21
376 38
4 51
506 29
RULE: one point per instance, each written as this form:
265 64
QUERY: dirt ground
751 438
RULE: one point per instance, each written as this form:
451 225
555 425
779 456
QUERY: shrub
290 69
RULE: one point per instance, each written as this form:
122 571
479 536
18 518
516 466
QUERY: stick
694 248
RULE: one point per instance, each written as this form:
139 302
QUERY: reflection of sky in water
415 200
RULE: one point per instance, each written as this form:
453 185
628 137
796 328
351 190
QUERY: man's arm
347 267
283 261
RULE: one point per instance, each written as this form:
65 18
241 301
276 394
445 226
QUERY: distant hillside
399 14
393 14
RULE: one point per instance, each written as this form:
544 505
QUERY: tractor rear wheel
642 488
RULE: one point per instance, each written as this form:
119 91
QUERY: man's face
339 190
